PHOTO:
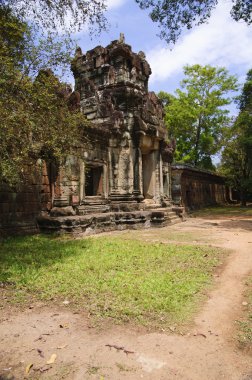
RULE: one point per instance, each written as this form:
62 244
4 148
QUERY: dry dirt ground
208 350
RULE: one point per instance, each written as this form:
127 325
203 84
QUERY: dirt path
208 351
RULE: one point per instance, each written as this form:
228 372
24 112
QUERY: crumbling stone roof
113 85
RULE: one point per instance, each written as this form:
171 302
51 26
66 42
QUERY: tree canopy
173 16
236 162
196 116
35 119
67 14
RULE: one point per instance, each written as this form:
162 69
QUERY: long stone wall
195 188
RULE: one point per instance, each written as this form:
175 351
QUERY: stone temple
124 171
121 176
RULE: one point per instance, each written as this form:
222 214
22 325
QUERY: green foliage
111 277
245 99
196 116
173 16
36 122
68 15
237 155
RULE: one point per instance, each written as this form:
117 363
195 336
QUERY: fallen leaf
64 326
63 346
199 334
52 359
27 369
40 352
118 348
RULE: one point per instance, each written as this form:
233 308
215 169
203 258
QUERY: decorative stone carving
126 158
121 38
168 150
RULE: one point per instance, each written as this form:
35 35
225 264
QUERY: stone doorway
165 185
148 176
94 181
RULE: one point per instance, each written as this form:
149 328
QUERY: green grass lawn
126 280
231 210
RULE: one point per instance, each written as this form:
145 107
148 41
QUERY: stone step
92 209
97 221
163 216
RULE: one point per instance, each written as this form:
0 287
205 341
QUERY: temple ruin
120 177
123 174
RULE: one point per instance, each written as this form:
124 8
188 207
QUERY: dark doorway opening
165 184
94 181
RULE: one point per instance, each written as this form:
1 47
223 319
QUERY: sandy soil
208 351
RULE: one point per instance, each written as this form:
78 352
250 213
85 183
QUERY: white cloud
221 42
114 3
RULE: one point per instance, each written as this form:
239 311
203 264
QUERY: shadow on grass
235 217
224 210
109 277
20 253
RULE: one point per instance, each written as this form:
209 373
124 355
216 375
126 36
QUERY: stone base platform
101 222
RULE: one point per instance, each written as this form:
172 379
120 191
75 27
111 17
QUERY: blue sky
220 42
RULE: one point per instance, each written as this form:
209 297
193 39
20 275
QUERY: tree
196 116
171 15
70 15
175 15
236 162
35 119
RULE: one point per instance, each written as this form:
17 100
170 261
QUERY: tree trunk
196 149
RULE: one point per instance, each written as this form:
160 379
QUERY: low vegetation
231 210
126 280
245 325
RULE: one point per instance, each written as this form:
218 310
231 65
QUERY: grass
245 325
109 277
231 210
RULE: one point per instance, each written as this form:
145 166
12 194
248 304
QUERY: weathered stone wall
195 188
19 208
124 165
127 159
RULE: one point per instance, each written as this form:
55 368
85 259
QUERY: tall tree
173 16
196 115
237 155
35 119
